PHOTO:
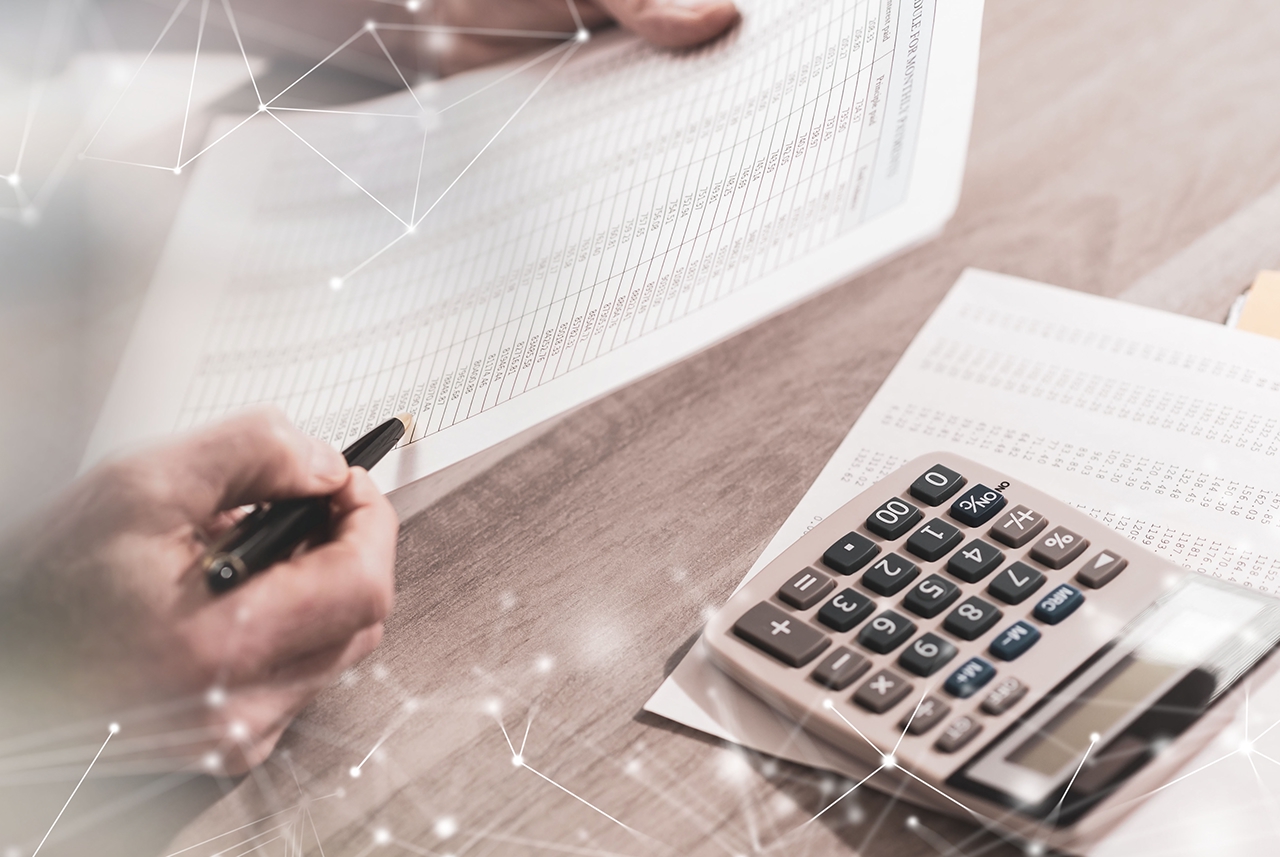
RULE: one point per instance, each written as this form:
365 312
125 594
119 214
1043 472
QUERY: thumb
673 23
253 456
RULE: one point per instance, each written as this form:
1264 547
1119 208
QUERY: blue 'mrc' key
968 677
1060 603
977 505
1013 641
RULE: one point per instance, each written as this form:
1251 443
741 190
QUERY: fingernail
327 462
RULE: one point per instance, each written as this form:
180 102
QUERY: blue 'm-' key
1060 603
1014 640
968 677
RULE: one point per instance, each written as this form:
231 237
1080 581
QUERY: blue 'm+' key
1060 603
968 677
977 505
1014 640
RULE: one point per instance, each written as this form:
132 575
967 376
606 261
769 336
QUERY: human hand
106 613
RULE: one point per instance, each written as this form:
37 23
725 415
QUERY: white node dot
380 672
582 35
215 697
413 5
912 822
1035 849
492 707
371 25
261 107
340 791
13 179
1246 747
382 836
412 704
335 283
113 728
354 772
212 761
177 171
1094 737
517 761
238 730
828 704
889 762
632 768
544 664
410 229
446 827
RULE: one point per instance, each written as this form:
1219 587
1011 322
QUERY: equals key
806 589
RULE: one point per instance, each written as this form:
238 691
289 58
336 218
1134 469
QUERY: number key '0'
936 485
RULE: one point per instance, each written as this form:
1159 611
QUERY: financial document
1165 428
493 249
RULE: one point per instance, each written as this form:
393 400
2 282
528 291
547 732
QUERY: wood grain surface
551 587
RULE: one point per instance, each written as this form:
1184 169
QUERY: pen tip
406 419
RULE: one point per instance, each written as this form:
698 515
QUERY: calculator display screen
1064 738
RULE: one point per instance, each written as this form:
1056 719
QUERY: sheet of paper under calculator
1164 427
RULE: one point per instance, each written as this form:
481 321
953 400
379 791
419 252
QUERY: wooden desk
560 584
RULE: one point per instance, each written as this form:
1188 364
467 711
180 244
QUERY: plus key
786 637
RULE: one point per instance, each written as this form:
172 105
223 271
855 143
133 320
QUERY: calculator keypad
920 588
931 596
928 654
1016 583
882 691
886 632
973 618
806 589
890 574
934 540
850 553
783 635
1058 548
893 519
846 611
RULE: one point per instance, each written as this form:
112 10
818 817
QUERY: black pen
272 531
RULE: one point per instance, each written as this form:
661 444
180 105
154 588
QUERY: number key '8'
893 519
973 618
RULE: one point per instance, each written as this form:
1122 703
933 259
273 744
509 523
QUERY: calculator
995 650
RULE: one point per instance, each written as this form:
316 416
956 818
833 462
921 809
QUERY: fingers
256 455
673 23
326 595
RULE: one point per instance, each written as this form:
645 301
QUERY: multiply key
882 691
781 634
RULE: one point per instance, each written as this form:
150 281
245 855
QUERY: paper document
1164 427
490 250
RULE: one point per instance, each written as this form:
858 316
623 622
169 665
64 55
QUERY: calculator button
1014 640
927 655
927 714
1058 604
882 691
961 731
886 632
969 677
806 589
976 506
846 610
781 634
850 553
893 519
1004 696
1015 583
933 595
1018 526
973 618
975 561
840 669
890 575
1101 570
934 539
936 485
1058 548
